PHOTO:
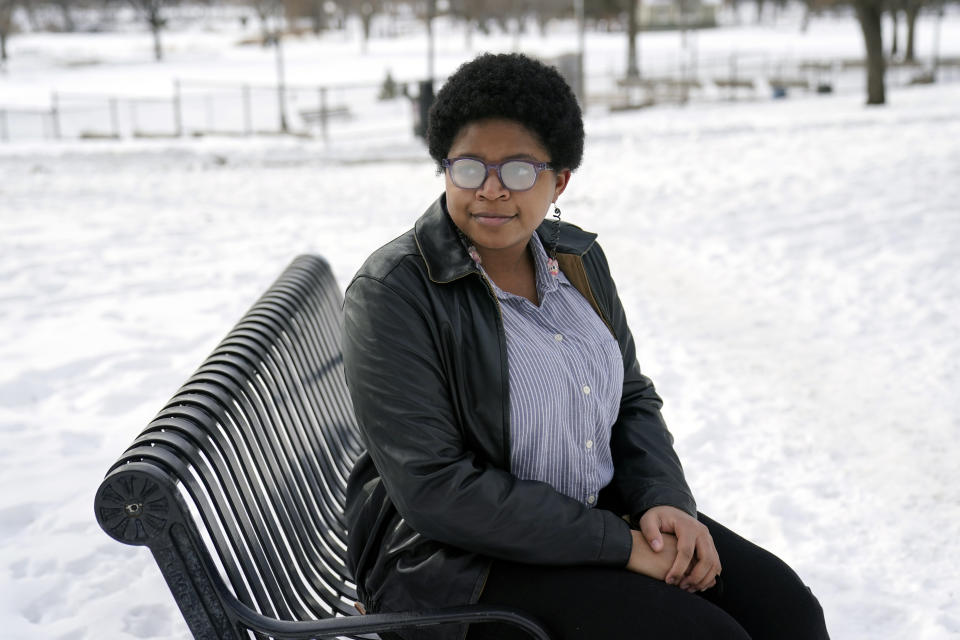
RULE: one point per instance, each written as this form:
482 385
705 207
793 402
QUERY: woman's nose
491 187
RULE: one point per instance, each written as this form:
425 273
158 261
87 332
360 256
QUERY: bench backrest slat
257 445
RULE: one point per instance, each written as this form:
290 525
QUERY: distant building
675 14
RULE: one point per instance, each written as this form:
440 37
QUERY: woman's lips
491 220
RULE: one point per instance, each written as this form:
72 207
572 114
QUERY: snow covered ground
789 268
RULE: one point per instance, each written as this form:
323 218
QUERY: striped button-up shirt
566 379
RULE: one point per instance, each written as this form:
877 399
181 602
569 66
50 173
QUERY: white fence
350 112
203 108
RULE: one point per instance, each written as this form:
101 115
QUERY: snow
789 269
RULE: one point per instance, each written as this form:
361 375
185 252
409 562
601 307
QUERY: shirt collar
546 282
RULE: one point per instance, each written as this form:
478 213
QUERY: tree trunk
263 15
6 15
68 24
895 15
151 11
431 13
633 69
317 17
155 24
807 14
366 20
913 8
868 14
31 15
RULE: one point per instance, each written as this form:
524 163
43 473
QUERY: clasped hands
673 546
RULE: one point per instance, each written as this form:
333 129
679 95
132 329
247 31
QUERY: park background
789 266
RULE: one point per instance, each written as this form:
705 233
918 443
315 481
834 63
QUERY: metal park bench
238 485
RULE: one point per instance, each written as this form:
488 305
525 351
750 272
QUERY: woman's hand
696 563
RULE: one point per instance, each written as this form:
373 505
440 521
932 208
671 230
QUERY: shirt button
558 337
591 499
586 390
589 444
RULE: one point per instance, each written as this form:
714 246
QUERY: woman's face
498 221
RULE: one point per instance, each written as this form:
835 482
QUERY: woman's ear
563 179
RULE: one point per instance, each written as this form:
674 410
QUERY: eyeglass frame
538 167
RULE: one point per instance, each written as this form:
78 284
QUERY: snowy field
790 270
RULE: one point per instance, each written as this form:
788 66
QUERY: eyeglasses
515 175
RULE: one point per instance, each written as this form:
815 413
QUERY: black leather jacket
433 499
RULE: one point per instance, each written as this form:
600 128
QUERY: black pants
758 597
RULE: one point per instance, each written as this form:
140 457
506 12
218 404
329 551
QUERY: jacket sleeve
393 354
647 471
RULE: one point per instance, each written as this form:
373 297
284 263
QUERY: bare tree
546 10
6 23
430 12
470 14
912 10
810 7
760 7
633 8
312 10
895 7
507 15
318 17
735 5
266 11
151 11
366 11
476 14
610 11
868 14
64 6
30 9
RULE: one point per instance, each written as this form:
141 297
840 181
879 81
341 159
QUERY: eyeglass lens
516 175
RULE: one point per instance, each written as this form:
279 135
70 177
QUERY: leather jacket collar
446 261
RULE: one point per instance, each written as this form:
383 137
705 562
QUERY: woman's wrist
651 563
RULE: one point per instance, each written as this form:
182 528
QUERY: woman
516 454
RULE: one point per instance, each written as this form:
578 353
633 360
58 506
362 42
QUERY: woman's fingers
702 576
705 571
650 528
685 550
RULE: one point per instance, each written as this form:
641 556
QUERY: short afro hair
513 87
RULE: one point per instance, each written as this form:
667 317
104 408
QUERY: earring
552 264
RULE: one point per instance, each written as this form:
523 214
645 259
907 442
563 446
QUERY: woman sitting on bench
516 454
